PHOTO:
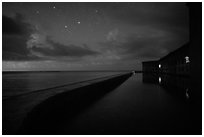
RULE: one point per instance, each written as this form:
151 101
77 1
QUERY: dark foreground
20 112
123 104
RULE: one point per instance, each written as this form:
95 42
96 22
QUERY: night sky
90 36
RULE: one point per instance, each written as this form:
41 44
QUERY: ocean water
21 82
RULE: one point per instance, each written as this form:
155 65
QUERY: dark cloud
17 33
144 46
56 49
16 25
13 56
16 44
160 29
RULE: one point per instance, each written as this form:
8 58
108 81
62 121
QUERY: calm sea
21 82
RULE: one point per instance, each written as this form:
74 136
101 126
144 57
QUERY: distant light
159 80
66 26
159 65
54 7
133 72
78 22
96 11
187 59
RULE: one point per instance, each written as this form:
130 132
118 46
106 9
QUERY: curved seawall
41 112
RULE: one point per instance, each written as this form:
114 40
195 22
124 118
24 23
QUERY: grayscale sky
90 36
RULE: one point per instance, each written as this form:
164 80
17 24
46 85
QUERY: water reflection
177 85
187 95
159 80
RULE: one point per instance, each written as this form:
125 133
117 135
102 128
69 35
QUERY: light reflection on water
159 80
176 84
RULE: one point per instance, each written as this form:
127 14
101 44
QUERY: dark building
176 63
195 12
187 60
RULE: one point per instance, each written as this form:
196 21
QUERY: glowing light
187 59
159 80
54 7
37 12
159 65
66 26
78 22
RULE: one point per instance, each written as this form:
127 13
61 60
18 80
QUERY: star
78 22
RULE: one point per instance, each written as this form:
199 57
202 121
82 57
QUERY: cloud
49 48
146 43
112 35
15 35
13 56
16 25
22 42
159 29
